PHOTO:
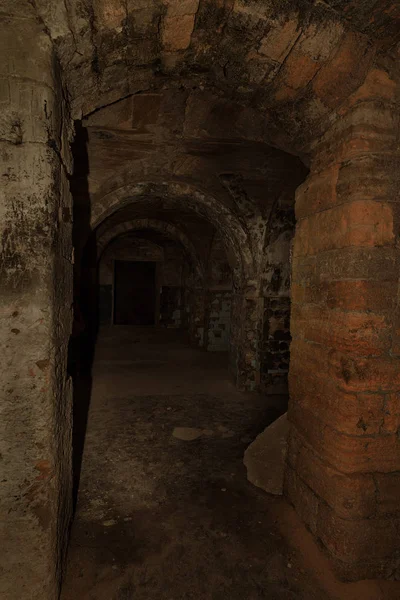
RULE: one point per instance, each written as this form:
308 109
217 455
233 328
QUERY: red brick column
343 465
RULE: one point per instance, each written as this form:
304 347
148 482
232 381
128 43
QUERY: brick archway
224 220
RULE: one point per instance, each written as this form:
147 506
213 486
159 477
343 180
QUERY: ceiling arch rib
265 54
168 229
178 194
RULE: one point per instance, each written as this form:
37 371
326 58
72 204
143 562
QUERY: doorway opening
134 293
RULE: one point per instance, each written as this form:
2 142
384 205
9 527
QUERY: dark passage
135 292
165 511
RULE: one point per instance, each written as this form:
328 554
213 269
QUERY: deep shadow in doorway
134 293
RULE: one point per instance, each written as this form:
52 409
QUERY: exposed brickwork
344 453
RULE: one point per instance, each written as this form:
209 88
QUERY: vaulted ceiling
278 70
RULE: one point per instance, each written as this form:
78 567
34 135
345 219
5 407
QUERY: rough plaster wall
171 306
35 318
171 302
218 298
218 320
195 305
244 339
275 290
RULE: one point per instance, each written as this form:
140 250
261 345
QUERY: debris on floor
187 434
265 457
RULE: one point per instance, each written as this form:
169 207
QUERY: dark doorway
135 292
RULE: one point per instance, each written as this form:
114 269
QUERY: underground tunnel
200 312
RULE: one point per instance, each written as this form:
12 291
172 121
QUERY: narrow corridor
160 517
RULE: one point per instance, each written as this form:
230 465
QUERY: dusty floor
163 518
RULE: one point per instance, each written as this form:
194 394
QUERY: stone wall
195 315
275 345
171 306
218 320
36 301
246 319
275 289
171 280
218 298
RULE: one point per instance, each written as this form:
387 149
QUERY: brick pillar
344 449
35 313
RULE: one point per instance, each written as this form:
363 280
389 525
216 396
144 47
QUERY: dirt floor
165 518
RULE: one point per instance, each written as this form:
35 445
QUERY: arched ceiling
278 70
198 217
157 230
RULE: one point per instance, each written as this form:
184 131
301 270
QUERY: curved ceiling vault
169 230
277 70
167 201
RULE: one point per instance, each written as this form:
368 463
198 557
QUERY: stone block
280 39
363 374
177 32
32 59
388 493
265 457
179 8
304 500
375 263
298 70
317 193
355 540
377 85
391 418
369 178
359 295
336 80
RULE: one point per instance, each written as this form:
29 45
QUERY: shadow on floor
80 361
